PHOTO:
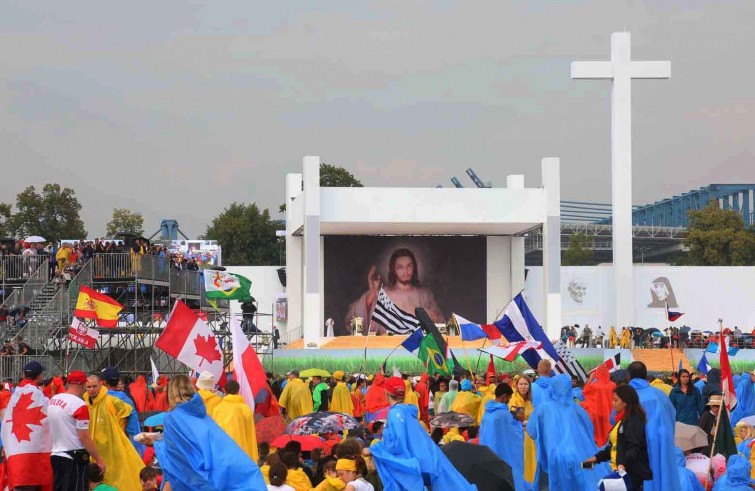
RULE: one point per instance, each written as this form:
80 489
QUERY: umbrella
749 421
657 334
481 466
268 429
155 420
689 437
322 422
685 329
379 415
308 442
314 372
651 330
33 239
452 419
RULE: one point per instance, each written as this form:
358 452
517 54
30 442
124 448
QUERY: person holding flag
237 419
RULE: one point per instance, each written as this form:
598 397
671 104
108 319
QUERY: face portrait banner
441 274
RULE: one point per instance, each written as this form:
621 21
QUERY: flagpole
721 407
479 357
391 353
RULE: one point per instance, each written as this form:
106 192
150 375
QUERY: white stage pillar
516 257
621 70
293 260
552 248
312 318
499 275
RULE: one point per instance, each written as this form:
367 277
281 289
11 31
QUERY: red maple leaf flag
26 438
190 340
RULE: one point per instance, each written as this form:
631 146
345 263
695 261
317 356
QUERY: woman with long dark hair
627 449
687 400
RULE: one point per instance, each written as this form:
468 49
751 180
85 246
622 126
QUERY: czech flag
671 315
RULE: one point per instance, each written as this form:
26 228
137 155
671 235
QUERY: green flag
725 443
433 358
225 285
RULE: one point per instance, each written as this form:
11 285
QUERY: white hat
206 380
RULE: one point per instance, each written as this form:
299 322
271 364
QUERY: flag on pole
510 352
727 381
671 315
190 340
391 317
225 285
569 362
81 334
92 304
246 365
155 374
679 370
434 359
412 343
469 330
612 363
703 366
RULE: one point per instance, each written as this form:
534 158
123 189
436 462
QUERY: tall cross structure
621 70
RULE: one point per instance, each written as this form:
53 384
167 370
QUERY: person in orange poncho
375 399
141 395
161 394
423 398
598 394
357 397
55 387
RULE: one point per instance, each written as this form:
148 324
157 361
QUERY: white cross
621 70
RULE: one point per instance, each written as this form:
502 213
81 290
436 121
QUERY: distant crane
477 181
456 182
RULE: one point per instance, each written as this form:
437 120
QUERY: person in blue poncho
406 458
661 421
687 479
542 383
195 453
576 390
563 435
112 376
745 399
737 476
503 434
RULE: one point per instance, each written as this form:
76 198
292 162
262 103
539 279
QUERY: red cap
395 386
77 377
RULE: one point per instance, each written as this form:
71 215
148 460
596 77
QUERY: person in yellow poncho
206 386
411 396
488 394
452 436
626 338
296 477
660 384
237 419
613 339
467 402
341 401
521 405
108 416
296 398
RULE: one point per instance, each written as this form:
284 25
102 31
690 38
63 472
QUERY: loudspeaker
282 276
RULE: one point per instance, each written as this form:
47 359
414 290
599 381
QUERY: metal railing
120 265
47 320
186 282
16 267
12 366
12 300
37 280
83 277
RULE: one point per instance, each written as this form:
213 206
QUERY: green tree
53 214
126 221
246 235
6 220
718 237
332 176
577 254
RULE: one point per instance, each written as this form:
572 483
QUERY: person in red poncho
598 394
141 395
161 394
269 405
375 398
55 387
423 398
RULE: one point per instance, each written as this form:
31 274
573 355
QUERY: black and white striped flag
393 318
568 363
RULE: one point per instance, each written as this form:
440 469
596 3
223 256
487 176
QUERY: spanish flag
95 305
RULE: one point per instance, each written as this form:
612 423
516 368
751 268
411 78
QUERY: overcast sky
176 110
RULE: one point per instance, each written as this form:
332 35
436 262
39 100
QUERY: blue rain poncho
745 400
540 390
505 436
133 427
660 427
563 435
737 476
407 459
196 454
687 479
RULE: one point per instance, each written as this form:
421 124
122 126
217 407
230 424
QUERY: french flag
671 315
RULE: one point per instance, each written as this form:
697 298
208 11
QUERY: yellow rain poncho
297 479
626 338
330 484
411 396
237 419
530 451
659 384
296 398
613 339
107 420
211 400
452 436
467 403
341 401
487 394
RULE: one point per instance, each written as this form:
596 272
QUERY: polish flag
83 335
727 379
26 438
188 339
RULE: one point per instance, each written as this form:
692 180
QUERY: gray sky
176 109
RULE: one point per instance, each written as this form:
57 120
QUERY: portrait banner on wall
442 274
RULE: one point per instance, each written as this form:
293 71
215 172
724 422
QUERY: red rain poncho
423 398
598 403
141 395
375 398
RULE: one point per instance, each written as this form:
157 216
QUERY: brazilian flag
433 358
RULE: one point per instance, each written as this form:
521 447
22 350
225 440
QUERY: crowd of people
554 432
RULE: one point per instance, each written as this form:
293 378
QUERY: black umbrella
651 330
18 310
481 466
452 419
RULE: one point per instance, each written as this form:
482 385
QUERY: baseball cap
295 373
77 377
33 368
395 386
110 373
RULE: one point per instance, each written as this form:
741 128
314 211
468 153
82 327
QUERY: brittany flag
92 304
671 315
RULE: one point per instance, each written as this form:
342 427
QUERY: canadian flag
83 335
26 438
188 339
